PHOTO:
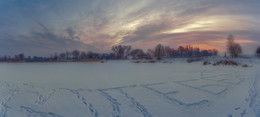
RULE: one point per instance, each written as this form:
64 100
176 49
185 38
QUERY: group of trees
234 49
126 52
67 56
188 51
160 51
76 55
119 52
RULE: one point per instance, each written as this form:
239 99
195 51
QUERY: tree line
124 52
119 52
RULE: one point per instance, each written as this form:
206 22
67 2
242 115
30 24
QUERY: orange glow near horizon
220 44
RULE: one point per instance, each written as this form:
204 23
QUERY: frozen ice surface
125 89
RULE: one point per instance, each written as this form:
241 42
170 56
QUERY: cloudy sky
42 27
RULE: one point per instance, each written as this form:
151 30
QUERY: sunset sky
42 27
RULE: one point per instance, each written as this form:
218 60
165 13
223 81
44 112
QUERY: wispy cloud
101 24
72 33
41 43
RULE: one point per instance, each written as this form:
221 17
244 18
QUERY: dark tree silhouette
68 55
62 56
118 50
215 52
159 51
258 51
181 51
136 53
75 54
127 50
21 57
150 52
55 57
121 51
234 49
205 53
92 55
168 51
83 55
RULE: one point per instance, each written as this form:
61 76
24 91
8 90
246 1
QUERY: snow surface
125 89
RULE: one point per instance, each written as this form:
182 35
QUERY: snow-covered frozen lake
124 89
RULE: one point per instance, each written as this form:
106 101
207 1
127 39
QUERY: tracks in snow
43 99
6 99
4 105
254 95
90 107
32 112
138 105
115 104
165 95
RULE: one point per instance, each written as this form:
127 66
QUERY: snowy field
124 89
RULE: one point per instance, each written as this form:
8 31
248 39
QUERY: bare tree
127 50
68 55
90 55
168 51
121 51
83 55
21 57
55 58
150 52
159 51
258 51
234 49
62 56
118 50
215 52
75 54
181 51
136 53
